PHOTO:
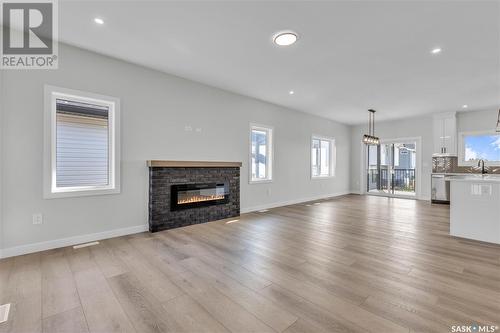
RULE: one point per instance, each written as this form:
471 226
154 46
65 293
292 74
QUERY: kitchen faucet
480 163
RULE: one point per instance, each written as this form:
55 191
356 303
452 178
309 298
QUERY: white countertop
455 174
475 178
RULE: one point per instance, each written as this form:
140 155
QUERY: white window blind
82 145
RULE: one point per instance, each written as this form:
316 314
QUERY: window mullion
319 159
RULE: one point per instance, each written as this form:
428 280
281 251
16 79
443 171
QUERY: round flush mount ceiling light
436 50
285 38
99 20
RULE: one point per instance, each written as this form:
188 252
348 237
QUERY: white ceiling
351 55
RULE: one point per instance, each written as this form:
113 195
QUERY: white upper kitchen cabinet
445 133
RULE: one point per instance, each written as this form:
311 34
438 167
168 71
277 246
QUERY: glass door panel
403 182
391 169
373 180
386 161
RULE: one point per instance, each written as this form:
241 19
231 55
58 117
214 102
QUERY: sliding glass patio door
391 168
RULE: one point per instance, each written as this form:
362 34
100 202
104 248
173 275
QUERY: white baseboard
422 197
70 241
290 202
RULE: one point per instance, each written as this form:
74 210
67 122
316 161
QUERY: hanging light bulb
498 122
370 138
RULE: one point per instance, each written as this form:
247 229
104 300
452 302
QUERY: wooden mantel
192 164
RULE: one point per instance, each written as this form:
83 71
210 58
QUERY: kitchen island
475 207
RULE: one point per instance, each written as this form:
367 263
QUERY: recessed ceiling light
291 92
436 50
465 106
285 38
99 20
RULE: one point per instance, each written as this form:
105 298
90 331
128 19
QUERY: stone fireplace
186 193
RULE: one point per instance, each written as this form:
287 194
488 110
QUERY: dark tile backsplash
449 164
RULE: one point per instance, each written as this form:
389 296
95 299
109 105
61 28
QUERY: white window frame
49 154
333 156
461 148
270 149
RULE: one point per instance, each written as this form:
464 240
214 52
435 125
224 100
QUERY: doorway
391 168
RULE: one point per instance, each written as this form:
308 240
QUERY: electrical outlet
37 218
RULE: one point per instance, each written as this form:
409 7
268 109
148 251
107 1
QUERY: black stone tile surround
160 181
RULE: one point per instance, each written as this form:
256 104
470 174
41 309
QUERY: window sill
321 177
81 193
475 163
263 181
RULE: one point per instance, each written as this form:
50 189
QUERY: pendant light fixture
370 138
498 121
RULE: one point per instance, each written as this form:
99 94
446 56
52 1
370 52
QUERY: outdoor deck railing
402 179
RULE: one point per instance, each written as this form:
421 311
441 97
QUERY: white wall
155 109
1 164
404 128
477 121
416 127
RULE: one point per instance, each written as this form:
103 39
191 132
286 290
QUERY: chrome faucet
480 164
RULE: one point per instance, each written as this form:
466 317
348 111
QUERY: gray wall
404 128
477 121
156 108
416 127
1 164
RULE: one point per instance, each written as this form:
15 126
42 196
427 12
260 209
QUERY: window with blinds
82 144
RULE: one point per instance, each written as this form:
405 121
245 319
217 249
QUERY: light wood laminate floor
348 264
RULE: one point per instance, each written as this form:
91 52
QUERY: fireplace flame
199 198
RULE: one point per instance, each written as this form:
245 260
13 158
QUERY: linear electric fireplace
198 195
183 193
